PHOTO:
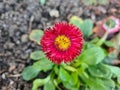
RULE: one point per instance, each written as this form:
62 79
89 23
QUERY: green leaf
110 85
74 78
101 84
103 2
109 43
64 75
37 55
44 64
92 56
95 40
56 69
30 72
90 2
110 58
87 27
92 82
49 86
69 86
118 80
56 82
100 71
39 82
69 68
36 35
88 45
116 71
118 87
75 20
95 2
95 83
42 1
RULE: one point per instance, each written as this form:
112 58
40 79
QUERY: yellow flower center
62 42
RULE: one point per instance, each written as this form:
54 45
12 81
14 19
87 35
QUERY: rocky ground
19 17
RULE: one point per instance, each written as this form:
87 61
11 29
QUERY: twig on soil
2 71
30 24
3 54
14 76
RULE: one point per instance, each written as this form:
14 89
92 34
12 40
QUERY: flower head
112 24
62 42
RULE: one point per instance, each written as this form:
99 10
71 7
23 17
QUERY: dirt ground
19 17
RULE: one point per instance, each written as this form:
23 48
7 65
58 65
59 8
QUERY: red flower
112 24
62 42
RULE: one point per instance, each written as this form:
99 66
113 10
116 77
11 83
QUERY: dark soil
16 23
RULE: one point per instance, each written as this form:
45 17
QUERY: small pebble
12 67
3 76
11 45
24 38
24 56
11 82
54 13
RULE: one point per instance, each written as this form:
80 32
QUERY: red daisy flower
62 42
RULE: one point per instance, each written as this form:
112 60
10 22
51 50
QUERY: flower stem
70 68
102 40
56 84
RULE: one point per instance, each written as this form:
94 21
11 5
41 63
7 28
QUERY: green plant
95 2
42 1
87 72
85 26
